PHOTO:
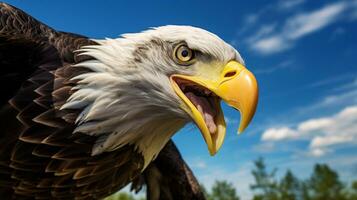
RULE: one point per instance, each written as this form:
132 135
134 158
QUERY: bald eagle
82 118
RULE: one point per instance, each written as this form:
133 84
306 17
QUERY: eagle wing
40 157
26 44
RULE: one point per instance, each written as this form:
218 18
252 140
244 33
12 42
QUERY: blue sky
303 53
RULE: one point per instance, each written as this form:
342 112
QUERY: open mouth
201 96
204 100
204 108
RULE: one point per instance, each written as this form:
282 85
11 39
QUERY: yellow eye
183 54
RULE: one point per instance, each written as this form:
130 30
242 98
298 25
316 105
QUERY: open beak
236 86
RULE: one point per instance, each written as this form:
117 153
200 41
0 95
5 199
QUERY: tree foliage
123 196
222 190
323 184
265 186
289 187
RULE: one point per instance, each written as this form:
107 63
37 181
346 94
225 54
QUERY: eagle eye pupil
184 53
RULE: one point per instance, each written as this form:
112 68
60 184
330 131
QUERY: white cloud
270 45
265 147
315 124
348 97
306 23
335 79
276 134
348 86
327 140
353 15
199 164
231 120
335 99
287 64
317 152
251 19
263 30
324 133
284 4
296 27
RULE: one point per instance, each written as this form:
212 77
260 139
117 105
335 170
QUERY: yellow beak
236 86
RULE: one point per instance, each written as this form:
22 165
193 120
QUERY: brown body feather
40 157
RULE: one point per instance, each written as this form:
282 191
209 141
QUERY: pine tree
265 184
289 187
222 190
325 184
351 193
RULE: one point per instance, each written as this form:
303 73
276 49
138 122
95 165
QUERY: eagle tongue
206 109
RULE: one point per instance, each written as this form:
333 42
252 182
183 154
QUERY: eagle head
143 87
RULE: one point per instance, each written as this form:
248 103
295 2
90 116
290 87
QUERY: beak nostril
230 74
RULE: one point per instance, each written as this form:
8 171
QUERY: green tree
305 191
325 184
204 191
289 187
354 186
122 196
222 190
351 193
265 186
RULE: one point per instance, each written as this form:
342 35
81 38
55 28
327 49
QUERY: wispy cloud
280 133
255 17
335 79
347 86
231 120
348 97
331 125
198 164
265 147
289 4
288 64
297 27
324 133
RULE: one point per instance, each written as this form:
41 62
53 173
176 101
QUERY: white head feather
127 98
